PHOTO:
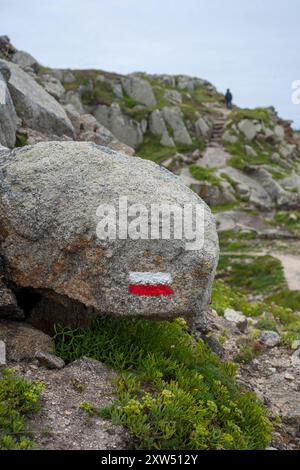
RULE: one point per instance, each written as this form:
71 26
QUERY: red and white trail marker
150 284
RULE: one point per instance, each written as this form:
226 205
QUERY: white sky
250 46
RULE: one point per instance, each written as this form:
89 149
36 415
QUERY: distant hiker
228 99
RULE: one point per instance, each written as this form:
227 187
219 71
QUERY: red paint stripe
150 290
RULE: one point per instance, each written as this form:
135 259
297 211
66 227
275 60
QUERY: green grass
241 276
100 93
228 206
290 219
236 241
259 114
225 295
19 399
173 392
240 159
256 275
286 298
21 139
201 173
151 149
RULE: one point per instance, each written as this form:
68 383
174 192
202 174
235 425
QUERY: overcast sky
252 46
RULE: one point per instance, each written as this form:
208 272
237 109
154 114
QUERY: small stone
275 158
296 358
289 377
2 353
250 152
228 137
50 361
295 345
237 318
270 338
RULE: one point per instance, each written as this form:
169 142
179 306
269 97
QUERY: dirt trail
291 266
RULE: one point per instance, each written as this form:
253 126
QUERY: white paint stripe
150 278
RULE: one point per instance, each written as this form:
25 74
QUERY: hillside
245 164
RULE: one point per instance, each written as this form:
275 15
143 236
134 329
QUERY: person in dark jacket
228 99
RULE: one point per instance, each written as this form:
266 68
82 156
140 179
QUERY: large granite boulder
37 109
49 227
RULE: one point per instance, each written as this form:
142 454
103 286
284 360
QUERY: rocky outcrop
173 117
37 109
202 129
157 126
24 59
249 128
249 188
140 90
281 198
52 86
8 117
123 128
50 194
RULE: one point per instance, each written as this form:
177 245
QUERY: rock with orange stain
49 218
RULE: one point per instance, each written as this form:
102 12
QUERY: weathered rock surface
52 86
49 196
34 105
88 129
50 361
202 129
73 98
214 157
8 303
23 342
281 199
249 187
237 318
24 59
140 90
270 339
173 96
123 128
157 126
247 222
8 117
173 116
248 129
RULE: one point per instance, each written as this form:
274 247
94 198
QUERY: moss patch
21 139
206 174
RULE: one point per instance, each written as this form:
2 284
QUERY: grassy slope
173 392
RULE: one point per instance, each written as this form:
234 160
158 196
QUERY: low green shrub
202 173
18 400
173 392
251 274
